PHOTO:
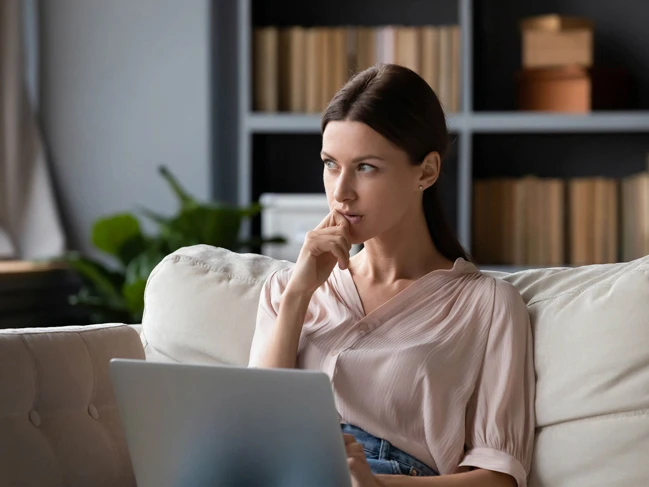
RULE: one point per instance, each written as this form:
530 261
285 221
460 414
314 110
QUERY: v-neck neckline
353 297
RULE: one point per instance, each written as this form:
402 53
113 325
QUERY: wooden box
572 89
552 40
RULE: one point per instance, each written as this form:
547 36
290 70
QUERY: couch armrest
58 416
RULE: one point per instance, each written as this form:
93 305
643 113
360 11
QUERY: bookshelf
489 46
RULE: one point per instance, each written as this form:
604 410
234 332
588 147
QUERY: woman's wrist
297 294
297 302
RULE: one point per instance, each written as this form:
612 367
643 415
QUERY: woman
430 360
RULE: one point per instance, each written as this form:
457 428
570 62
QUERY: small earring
421 187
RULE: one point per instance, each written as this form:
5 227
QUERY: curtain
30 226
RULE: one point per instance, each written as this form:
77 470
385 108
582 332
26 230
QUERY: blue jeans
385 458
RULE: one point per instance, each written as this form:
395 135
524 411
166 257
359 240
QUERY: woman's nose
344 188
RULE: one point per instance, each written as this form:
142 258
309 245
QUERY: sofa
59 423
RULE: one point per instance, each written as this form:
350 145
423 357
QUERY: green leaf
134 295
252 210
107 283
155 217
142 265
137 273
133 247
111 233
220 226
185 199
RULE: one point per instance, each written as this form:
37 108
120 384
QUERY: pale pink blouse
443 370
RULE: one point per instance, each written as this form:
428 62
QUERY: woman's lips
353 219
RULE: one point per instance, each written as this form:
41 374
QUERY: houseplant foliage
116 293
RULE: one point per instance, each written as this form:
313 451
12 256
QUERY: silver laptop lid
200 426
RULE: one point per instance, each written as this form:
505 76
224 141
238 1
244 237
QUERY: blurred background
133 127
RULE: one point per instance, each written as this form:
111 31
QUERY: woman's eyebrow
356 159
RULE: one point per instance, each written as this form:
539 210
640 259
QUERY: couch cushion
59 424
201 305
591 353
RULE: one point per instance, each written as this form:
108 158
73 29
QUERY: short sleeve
500 414
267 311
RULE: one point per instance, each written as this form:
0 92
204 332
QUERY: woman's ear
430 169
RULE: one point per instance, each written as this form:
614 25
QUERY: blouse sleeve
267 312
500 414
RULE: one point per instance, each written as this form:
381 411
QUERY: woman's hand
359 469
328 243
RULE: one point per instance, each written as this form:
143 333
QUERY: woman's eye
329 164
365 168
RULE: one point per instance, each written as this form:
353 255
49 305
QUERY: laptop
229 426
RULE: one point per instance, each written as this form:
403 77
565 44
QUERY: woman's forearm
474 478
282 346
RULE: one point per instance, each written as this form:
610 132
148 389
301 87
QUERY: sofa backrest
200 305
59 423
591 334
591 356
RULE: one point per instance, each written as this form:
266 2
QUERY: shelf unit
465 124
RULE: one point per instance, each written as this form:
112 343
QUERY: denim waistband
383 450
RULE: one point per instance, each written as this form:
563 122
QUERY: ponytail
438 227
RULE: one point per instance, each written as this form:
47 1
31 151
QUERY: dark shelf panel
344 12
286 163
559 155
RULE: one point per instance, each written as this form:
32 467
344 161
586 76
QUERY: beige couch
59 425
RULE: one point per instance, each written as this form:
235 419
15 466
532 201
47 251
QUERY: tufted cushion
591 353
59 424
201 304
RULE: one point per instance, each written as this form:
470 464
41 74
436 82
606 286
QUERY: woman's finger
338 231
334 244
344 225
355 449
339 219
333 219
340 253
349 438
318 243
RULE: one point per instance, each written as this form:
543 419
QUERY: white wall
124 88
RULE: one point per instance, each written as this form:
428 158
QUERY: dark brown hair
398 104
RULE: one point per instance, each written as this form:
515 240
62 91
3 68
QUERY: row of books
299 69
554 222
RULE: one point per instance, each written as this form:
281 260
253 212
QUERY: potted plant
117 293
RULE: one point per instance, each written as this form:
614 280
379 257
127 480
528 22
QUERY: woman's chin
361 233
358 238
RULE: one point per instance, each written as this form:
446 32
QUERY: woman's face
368 178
